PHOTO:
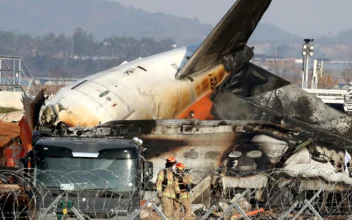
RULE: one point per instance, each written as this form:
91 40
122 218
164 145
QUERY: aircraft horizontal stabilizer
230 35
251 80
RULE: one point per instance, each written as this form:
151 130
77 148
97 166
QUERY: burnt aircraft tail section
228 37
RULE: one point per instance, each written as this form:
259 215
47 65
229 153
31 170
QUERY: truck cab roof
66 146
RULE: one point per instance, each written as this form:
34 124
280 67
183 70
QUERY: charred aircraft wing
229 36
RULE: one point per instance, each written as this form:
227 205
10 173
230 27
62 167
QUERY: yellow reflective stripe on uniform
172 196
185 196
161 175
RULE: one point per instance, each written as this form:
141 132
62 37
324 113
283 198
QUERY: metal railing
15 76
329 96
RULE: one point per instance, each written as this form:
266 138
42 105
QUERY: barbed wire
105 194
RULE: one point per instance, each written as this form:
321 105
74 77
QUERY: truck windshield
72 173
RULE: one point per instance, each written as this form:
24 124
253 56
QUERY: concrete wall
11 99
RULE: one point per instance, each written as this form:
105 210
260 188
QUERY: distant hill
267 33
100 17
105 18
344 37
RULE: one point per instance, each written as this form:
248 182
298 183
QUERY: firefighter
167 188
184 198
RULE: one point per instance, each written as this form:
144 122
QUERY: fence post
313 209
282 217
310 201
234 205
77 213
136 212
159 212
206 215
52 205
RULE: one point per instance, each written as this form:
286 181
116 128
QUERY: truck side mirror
148 171
38 134
23 162
26 159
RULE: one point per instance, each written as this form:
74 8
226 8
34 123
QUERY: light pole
307 51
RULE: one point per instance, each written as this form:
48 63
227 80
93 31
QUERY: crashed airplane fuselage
141 89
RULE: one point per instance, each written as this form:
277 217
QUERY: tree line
79 54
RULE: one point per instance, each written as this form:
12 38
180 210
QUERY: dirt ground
8 131
11 117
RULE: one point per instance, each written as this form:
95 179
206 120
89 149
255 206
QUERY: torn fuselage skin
256 94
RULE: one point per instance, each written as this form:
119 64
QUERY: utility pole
307 72
307 51
314 84
318 71
321 68
0 71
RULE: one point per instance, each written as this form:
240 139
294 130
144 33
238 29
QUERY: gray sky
306 18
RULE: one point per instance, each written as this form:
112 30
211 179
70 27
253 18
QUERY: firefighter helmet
180 166
171 159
